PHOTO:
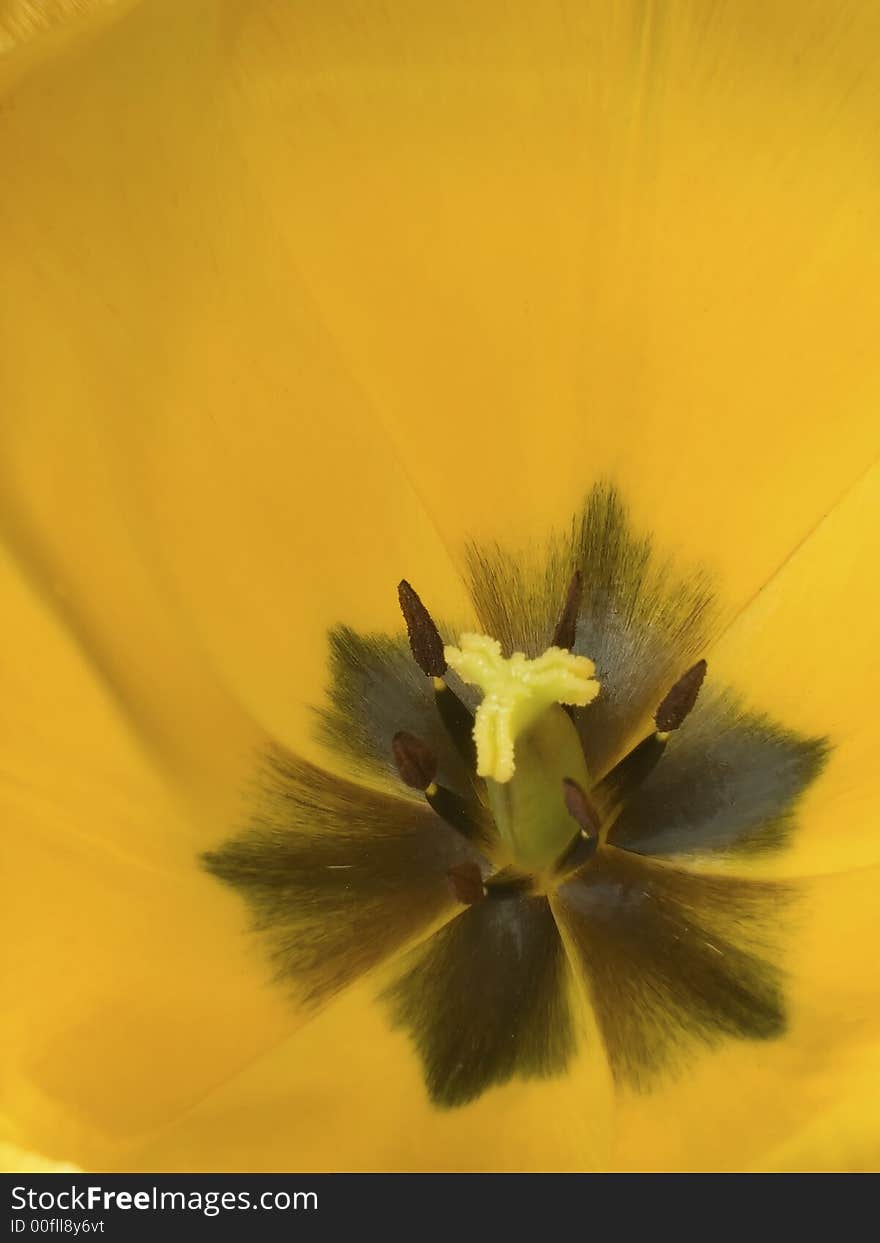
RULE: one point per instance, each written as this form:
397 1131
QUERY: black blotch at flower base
343 875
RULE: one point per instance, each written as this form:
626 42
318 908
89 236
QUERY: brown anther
466 883
681 699
566 627
577 854
424 637
415 762
580 808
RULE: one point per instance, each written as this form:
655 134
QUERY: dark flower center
483 913
548 814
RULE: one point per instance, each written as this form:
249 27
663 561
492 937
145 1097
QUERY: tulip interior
557 852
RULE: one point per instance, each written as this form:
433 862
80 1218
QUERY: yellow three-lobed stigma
516 691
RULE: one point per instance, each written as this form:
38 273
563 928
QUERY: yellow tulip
566 316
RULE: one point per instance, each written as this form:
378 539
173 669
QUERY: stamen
417 766
459 722
453 809
426 646
583 845
680 700
415 762
579 852
466 883
580 808
566 628
424 637
516 692
637 766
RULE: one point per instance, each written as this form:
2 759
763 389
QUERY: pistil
517 692
526 743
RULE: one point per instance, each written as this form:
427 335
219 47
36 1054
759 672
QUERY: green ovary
530 810
526 744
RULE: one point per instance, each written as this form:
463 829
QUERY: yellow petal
15 1160
773 1096
180 410
593 241
533 250
348 1094
33 31
806 652
529 251
844 1137
125 954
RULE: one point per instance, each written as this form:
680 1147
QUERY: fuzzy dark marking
338 877
485 999
729 780
639 621
376 690
674 959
